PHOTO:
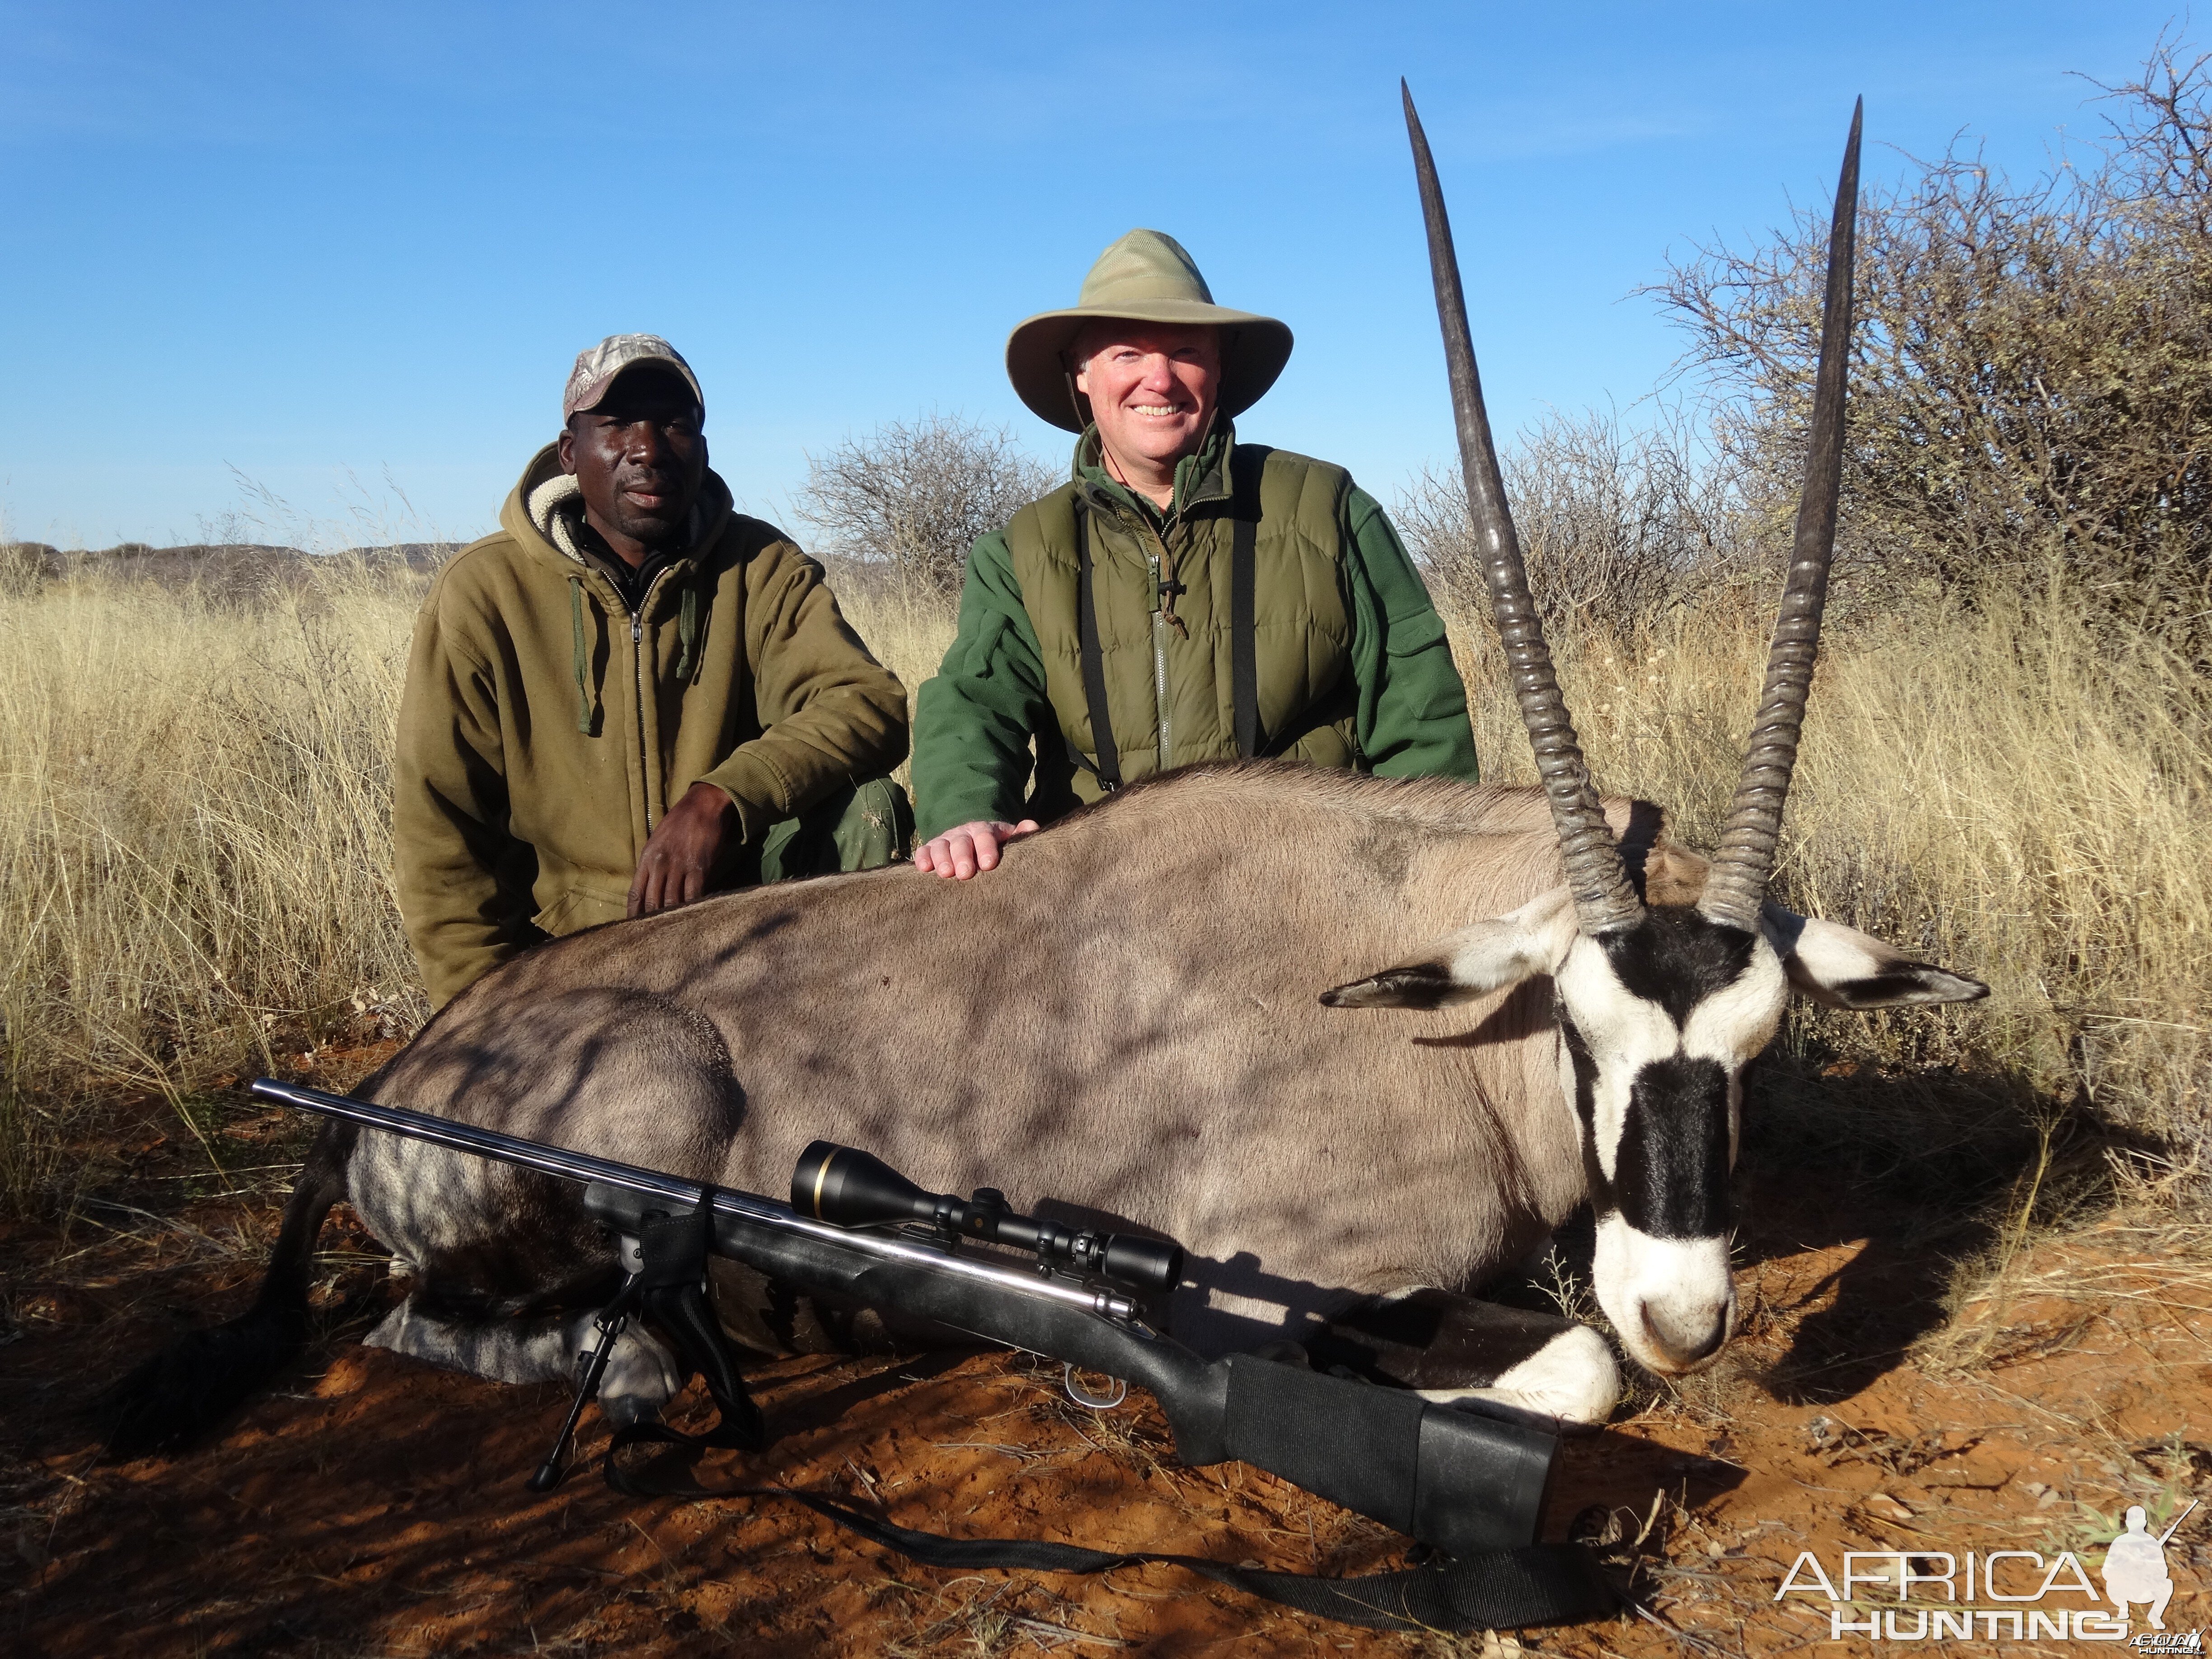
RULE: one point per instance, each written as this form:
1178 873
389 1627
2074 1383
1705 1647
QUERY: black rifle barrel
1464 1483
688 1195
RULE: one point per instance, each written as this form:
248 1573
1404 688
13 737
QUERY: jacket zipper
637 661
1156 557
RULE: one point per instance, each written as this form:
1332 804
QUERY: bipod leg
590 1368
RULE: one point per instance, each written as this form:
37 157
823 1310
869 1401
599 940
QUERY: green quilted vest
1169 688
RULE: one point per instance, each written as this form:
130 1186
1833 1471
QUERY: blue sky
318 247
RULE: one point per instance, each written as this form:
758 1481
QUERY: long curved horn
1745 859
1604 899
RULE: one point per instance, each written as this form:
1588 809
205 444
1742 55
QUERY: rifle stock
1461 1483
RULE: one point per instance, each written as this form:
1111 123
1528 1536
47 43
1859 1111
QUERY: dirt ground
369 1506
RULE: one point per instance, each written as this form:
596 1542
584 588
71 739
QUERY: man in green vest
1183 596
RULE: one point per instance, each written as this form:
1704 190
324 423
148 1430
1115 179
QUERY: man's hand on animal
961 852
680 858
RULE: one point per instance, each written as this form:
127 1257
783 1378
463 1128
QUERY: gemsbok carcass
1540 1001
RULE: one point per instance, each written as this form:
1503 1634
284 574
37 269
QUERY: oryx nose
1685 1337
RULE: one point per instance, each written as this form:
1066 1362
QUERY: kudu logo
2030 1599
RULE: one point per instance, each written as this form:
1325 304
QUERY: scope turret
847 1187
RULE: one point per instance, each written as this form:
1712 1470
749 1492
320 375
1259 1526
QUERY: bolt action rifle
1469 1488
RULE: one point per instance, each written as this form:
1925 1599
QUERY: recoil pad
1463 1483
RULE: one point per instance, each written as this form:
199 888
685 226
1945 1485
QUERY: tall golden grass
195 845
195 856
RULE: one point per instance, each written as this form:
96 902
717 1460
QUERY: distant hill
232 570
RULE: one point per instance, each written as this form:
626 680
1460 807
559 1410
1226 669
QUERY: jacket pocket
577 909
1414 634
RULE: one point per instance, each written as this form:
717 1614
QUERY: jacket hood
544 509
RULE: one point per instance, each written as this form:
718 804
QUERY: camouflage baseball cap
596 366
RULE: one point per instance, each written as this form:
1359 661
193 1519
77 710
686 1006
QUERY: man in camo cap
628 695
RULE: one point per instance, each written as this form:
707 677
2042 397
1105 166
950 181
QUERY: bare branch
1615 525
2033 367
917 495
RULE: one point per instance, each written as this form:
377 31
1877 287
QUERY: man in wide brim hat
1183 596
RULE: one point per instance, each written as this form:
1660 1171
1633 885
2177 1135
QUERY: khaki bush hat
597 368
1146 277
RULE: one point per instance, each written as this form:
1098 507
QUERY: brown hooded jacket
545 729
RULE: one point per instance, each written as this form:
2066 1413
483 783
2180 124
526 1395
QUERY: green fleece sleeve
1412 720
832 713
973 721
463 881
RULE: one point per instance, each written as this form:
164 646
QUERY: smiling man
630 694
1183 596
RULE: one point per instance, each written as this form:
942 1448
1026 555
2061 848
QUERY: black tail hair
180 1393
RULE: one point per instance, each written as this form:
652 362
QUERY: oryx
1539 1001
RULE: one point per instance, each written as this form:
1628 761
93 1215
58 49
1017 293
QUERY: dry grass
194 851
907 630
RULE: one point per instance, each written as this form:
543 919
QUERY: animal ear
1473 961
1841 967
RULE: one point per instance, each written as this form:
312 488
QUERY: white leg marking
1571 1381
641 1376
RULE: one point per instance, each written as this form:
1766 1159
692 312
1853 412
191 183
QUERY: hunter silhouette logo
2135 1566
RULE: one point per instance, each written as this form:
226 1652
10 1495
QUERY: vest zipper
1160 661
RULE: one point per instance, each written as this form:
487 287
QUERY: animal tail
183 1391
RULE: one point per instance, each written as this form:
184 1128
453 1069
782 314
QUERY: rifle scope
847 1187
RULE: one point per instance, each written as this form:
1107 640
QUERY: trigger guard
1082 1396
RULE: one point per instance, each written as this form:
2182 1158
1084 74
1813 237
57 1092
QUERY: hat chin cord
1075 399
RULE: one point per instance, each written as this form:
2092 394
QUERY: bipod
664 1279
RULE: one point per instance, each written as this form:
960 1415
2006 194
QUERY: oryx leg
770 1317
508 1266
641 1378
1457 1351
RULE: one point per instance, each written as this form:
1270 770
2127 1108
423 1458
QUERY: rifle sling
1503 1589
673 1284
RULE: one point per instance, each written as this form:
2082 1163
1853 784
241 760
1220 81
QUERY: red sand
371 1506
